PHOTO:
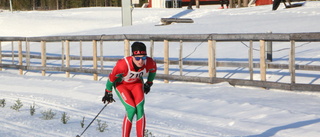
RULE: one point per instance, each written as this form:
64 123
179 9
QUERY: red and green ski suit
128 85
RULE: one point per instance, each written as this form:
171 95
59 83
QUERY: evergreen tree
57 4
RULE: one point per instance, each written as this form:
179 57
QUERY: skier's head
139 53
138 48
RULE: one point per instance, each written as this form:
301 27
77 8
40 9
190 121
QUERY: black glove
108 97
147 87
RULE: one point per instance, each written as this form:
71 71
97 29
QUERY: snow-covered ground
176 109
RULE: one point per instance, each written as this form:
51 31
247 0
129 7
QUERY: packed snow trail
172 109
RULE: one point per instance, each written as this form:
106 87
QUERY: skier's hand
108 97
147 87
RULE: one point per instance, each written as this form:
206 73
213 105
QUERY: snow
175 109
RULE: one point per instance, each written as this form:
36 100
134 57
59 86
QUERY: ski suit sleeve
116 75
109 86
152 68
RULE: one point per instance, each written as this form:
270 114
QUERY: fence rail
177 37
211 62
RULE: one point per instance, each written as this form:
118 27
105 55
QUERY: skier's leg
138 94
126 98
284 2
221 2
126 127
141 125
227 3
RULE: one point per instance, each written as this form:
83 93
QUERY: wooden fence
212 62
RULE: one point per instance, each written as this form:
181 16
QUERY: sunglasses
143 58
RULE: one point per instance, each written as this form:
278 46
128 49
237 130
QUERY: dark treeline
57 4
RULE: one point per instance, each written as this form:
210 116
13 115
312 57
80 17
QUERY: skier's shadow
273 131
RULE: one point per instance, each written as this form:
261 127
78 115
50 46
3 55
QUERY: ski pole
92 120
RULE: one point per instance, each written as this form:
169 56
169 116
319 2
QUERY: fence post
43 57
292 68
245 3
231 4
180 58
27 53
101 54
12 52
151 48
20 56
239 4
262 60
251 60
67 57
62 53
166 60
197 4
212 58
81 54
95 66
126 47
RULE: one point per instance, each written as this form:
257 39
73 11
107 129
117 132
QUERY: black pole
93 120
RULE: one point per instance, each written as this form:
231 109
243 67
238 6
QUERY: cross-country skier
126 78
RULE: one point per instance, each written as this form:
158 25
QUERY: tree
56 4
